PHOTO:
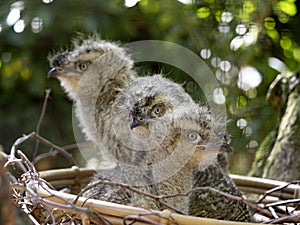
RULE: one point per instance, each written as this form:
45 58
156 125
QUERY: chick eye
157 109
83 65
193 137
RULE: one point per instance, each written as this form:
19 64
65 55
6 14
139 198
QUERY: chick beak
223 148
54 72
135 122
226 148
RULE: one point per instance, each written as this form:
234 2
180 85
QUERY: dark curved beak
136 121
54 72
226 148
223 148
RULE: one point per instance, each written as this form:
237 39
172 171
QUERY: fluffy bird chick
198 135
188 146
170 164
134 112
90 74
215 175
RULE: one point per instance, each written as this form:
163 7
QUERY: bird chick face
70 66
198 133
140 108
147 109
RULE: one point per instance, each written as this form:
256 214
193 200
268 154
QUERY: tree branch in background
37 129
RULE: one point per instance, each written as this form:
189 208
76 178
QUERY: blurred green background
245 43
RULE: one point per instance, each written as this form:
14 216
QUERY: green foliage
266 28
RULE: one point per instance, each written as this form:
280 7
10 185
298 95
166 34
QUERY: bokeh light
130 3
236 43
186 1
47 1
252 144
218 96
226 17
19 26
224 28
269 23
203 12
205 53
251 93
241 123
19 5
247 131
225 65
6 57
248 77
276 64
241 102
13 16
249 39
36 25
215 62
240 29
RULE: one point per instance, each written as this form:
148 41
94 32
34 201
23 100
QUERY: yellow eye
83 65
157 110
194 137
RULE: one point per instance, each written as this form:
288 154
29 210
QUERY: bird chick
170 165
134 112
206 203
189 145
91 75
205 168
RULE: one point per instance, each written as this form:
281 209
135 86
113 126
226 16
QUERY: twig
286 219
37 130
26 161
11 158
56 147
78 145
142 217
130 188
273 212
35 136
276 189
290 201
55 152
129 220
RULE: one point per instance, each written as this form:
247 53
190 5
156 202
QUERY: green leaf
203 12
287 7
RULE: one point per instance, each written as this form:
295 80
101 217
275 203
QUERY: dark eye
193 137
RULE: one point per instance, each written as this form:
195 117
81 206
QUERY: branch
37 129
277 189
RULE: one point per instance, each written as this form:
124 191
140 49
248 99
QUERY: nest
41 195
